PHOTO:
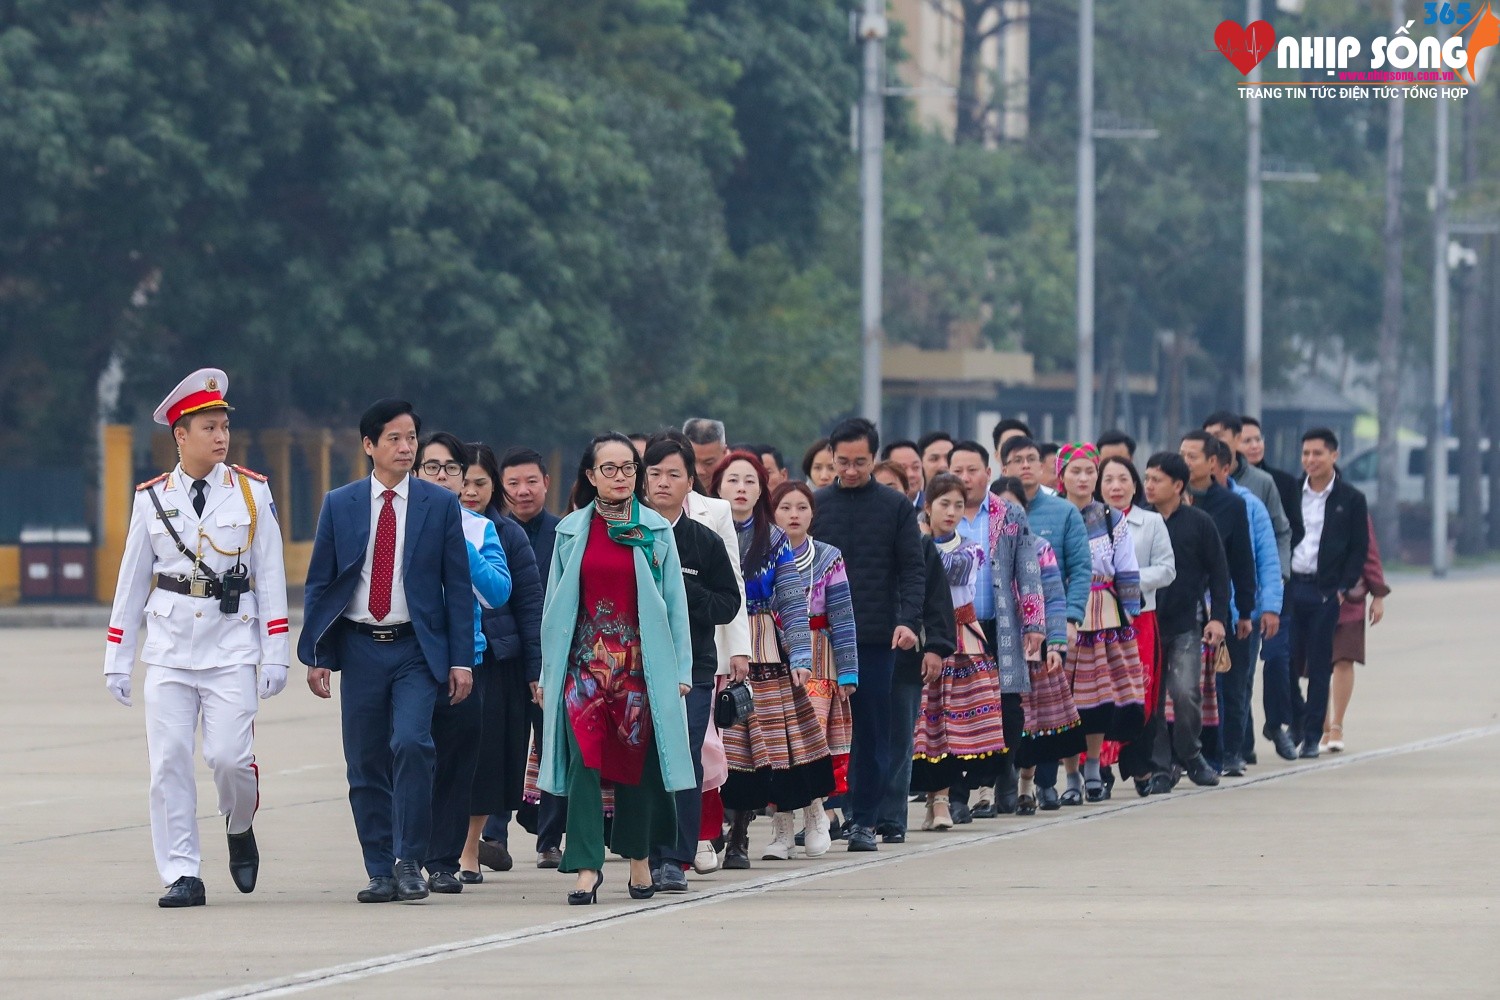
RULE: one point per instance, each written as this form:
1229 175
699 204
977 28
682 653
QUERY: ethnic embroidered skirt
1052 729
832 709
960 722
780 756
1109 686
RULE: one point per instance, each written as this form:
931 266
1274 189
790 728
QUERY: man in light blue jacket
1237 728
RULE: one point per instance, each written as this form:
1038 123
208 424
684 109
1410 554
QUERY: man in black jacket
1201 568
1328 558
876 529
1230 517
938 640
713 598
1275 651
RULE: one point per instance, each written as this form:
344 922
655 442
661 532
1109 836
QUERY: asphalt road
1365 874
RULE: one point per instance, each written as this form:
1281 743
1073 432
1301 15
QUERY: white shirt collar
1307 486
402 488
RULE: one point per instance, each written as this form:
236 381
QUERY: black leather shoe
550 858
382 889
1160 784
1199 773
984 810
244 859
186 891
410 885
642 891
1071 797
1309 750
1143 787
471 878
894 837
1025 805
1006 803
961 814
1234 767
862 840
671 878
495 856
445 882
1047 800
1286 749
1093 791
1251 760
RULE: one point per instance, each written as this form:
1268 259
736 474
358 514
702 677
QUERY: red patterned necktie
385 559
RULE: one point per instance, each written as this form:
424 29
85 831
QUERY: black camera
233 583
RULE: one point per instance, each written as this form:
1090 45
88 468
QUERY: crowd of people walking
703 645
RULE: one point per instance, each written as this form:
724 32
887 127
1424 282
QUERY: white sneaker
783 830
706 861
816 839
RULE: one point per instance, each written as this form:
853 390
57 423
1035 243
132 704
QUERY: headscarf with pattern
1078 449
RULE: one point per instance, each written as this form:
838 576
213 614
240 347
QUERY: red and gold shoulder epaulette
249 472
152 482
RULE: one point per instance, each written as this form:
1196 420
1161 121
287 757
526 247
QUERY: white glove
119 686
272 680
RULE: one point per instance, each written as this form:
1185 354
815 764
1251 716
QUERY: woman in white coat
1120 487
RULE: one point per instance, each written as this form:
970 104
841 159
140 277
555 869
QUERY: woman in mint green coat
616 660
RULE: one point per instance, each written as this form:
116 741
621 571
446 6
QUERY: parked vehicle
1363 472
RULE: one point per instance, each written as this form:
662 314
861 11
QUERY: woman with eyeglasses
443 459
617 660
780 755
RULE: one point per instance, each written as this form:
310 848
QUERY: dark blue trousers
552 810
699 703
1276 679
1315 615
906 703
386 697
870 760
456 733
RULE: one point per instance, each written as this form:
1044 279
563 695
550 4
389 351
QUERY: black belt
1305 577
385 633
188 587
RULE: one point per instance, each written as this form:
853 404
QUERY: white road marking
349 972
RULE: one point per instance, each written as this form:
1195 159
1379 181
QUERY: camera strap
176 538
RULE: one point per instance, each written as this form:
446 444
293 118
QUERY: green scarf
632 532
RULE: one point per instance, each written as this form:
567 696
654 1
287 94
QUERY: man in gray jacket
1226 427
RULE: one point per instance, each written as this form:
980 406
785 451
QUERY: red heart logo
1245 47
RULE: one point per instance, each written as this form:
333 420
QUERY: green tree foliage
513 214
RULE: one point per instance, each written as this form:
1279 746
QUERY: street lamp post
1083 405
872 32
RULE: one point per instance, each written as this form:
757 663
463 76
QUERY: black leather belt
1305 577
188 587
385 633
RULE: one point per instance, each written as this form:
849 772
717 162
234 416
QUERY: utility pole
1437 438
1253 244
871 32
1084 403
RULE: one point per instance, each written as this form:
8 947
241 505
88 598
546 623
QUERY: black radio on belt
232 583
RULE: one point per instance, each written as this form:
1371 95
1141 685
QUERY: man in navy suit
389 551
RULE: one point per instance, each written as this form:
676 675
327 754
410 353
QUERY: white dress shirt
732 639
359 605
1314 511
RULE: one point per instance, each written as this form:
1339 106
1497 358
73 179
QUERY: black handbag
734 706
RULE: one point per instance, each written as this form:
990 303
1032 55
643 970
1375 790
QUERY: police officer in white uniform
203 566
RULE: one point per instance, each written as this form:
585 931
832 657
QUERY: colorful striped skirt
832 708
1109 685
1052 729
780 756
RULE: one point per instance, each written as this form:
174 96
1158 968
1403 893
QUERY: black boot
737 856
244 859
